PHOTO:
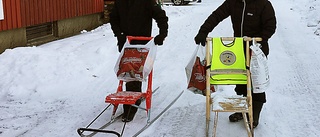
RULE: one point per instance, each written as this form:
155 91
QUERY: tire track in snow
297 80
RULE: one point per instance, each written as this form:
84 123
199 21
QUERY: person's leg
130 111
258 99
242 91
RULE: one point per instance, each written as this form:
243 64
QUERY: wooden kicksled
229 65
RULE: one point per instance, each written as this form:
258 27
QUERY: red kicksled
130 97
131 67
135 66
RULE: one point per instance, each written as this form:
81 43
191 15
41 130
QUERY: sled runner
134 64
229 66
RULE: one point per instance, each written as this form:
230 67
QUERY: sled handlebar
232 38
138 38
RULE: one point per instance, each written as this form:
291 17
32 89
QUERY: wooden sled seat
124 97
222 103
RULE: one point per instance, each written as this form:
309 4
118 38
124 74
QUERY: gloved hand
121 40
158 40
200 39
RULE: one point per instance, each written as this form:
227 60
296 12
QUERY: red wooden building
24 21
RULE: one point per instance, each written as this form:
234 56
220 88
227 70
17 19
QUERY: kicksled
135 63
230 64
227 61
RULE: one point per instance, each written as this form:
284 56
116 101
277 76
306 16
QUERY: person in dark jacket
252 18
134 18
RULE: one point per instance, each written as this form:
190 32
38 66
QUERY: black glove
121 40
158 40
200 39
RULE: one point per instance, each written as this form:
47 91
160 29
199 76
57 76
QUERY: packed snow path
53 89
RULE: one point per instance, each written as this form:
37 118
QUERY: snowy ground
53 89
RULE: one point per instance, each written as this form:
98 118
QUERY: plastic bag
196 72
135 62
259 69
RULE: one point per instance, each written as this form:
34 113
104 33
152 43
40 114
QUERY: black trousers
134 86
242 89
258 97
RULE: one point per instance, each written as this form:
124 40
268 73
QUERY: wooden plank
23 12
79 7
76 5
35 13
72 7
94 5
50 10
63 9
41 13
31 12
27 13
38 12
53 11
39 31
88 6
14 13
67 8
100 6
19 21
7 14
46 10
85 7
59 9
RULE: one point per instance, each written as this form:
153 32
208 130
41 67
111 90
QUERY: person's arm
268 20
115 19
116 25
161 19
221 13
211 22
162 22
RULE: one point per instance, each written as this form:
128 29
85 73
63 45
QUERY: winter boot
130 111
257 107
235 117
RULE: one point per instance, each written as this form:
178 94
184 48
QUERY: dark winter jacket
134 18
259 19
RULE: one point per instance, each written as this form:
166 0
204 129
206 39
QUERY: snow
53 89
